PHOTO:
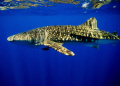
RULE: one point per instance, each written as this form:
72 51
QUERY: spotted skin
55 36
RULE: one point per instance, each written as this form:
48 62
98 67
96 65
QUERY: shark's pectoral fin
96 46
58 47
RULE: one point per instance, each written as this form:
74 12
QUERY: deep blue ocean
26 66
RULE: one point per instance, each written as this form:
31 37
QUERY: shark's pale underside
55 36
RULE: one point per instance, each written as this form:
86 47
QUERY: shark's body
55 36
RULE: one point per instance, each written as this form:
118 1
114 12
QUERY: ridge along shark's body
54 36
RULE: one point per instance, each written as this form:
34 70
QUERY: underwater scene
60 43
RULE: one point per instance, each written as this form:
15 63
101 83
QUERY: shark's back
73 33
86 31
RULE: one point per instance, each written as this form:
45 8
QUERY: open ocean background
25 66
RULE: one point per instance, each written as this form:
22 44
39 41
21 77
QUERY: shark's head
25 41
32 37
19 37
22 39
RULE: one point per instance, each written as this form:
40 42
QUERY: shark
56 36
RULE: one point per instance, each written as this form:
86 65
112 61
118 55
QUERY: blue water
25 66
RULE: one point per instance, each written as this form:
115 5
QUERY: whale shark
55 37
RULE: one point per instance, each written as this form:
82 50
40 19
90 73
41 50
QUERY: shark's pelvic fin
90 24
94 46
58 47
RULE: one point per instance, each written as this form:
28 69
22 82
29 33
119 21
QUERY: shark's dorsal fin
58 47
90 24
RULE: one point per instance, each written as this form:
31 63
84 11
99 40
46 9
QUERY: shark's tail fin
90 24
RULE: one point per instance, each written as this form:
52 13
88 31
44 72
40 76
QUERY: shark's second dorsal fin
90 24
115 33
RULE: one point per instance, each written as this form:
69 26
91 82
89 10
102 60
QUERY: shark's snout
10 38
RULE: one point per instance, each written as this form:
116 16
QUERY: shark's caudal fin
90 24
